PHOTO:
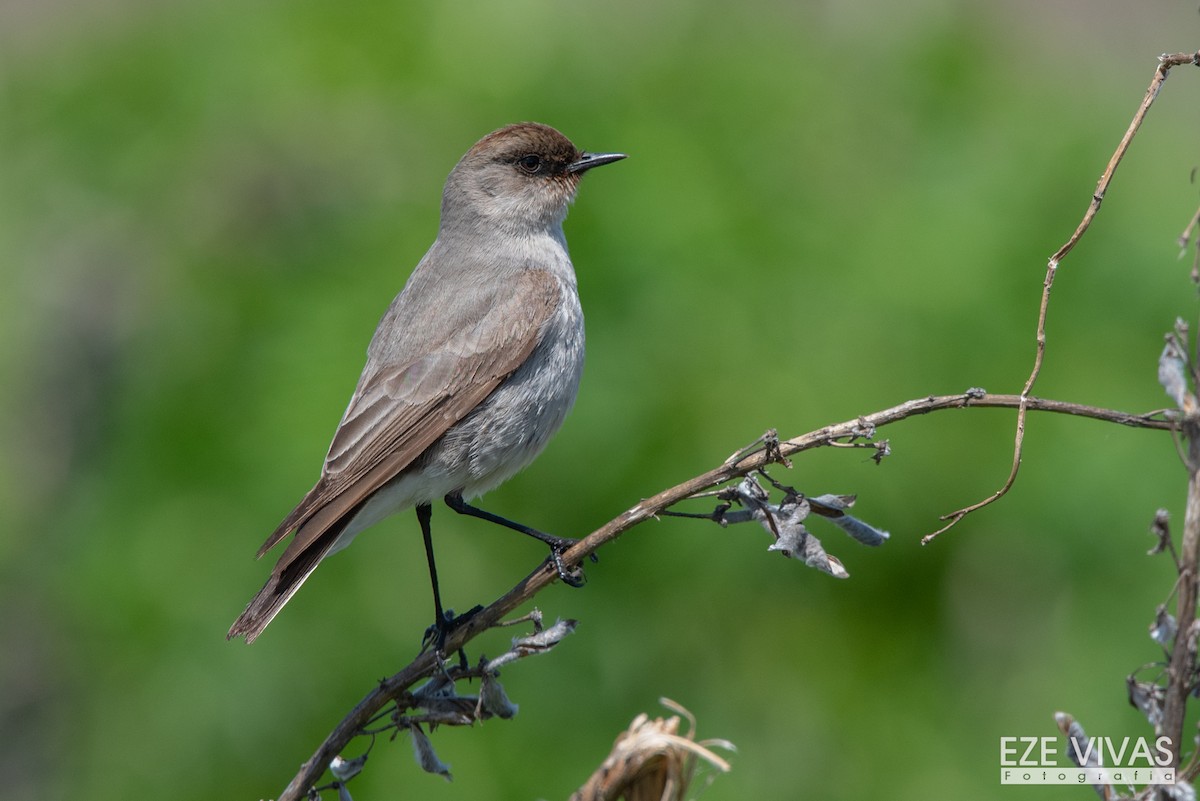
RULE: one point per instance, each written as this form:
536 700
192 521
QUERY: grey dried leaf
1164 627
1172 374
446 703
792 543
829 505
794 510
775 519
1076 747
439 685
456 710
751 493
343 792
795 542
739 516
863 532
493 699
832 507
426 757
346 769
784 522
1161 529
1146 698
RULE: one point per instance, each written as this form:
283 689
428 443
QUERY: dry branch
859 432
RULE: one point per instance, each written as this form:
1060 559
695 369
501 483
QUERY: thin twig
1185 239
1165 63
425 665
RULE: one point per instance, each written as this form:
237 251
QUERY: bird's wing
399 410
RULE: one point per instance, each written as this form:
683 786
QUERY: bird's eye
531 163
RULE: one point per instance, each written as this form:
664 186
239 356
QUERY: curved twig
1165 63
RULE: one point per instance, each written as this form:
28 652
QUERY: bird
471 371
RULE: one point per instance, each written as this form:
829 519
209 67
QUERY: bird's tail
280 587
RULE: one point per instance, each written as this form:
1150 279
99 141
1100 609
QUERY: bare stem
1183 659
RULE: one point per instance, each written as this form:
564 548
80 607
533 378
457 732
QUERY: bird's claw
572 576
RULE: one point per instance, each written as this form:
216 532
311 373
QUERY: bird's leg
558 545
443 622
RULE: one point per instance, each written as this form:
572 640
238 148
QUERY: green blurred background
828 208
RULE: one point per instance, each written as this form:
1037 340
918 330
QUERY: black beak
589 160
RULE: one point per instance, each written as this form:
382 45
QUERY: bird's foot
572 575
437 634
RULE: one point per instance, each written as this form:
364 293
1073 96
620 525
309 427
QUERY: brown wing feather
384 449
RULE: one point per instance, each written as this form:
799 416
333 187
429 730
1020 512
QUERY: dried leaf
1172 374
346 769
1163 629
1161 529
493 699
427 758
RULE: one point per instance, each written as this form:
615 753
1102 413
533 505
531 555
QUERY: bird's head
521 177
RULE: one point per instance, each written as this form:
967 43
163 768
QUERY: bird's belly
499 437
514 424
